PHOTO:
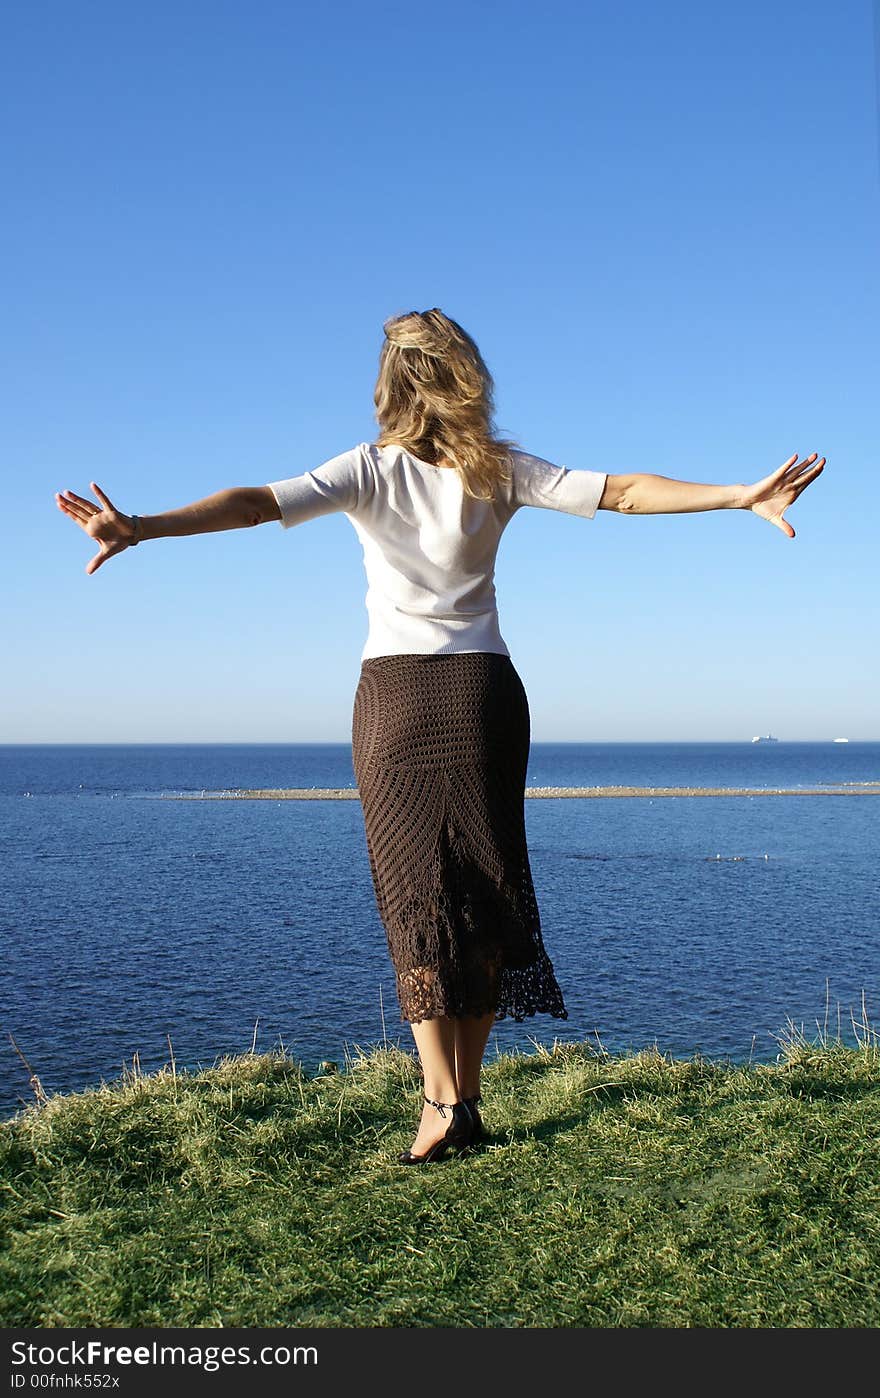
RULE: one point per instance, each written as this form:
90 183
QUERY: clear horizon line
346 742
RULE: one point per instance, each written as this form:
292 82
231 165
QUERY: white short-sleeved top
429 549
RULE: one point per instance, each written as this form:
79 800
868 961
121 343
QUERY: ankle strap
441 1105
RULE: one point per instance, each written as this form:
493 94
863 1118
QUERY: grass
627 1191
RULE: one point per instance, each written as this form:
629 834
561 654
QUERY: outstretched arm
237 508
660 495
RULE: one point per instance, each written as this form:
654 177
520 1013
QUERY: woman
440 722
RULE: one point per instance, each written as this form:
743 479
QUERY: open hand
112 530
773 495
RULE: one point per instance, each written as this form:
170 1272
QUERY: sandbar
350 793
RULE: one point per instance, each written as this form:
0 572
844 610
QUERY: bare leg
471 1036
435 1041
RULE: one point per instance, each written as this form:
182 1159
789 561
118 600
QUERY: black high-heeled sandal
480 1133
458 1136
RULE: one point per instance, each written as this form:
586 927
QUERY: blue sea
132 922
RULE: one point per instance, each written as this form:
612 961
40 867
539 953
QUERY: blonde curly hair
435 397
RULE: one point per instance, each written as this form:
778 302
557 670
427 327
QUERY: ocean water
129 920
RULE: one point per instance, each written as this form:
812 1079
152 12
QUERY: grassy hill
616 1191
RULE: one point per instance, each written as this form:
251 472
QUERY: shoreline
344 793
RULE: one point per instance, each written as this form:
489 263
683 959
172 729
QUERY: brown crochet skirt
440 745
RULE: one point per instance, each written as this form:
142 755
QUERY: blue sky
660 224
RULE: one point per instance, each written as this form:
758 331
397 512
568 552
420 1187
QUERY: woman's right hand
771 497
110 528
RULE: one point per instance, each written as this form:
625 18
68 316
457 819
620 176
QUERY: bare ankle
441 1090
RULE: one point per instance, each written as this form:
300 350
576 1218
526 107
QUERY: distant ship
840 740
765 738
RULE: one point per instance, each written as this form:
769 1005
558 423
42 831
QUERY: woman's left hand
112 530
771 496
